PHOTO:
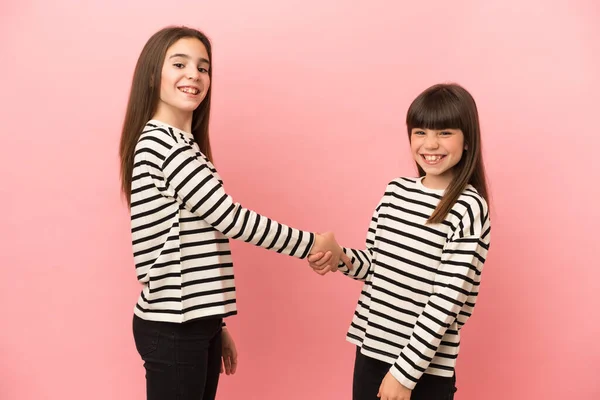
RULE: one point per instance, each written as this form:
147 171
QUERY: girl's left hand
230 355
391 389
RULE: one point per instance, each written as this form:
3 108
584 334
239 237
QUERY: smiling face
437 152
184 80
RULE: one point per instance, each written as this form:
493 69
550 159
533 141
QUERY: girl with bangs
425 249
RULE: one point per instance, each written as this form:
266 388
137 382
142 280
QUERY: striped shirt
181 223
421 280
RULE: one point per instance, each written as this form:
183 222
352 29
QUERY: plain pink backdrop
307 127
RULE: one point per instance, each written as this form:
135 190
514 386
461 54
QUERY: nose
431 141
193 74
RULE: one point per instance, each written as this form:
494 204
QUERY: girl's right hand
327 255
319 260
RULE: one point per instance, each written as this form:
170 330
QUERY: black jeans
369 372
182 361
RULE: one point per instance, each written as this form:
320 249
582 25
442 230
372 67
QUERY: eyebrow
204 60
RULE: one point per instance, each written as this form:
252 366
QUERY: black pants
369 372
182 361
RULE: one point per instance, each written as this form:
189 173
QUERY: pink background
307 127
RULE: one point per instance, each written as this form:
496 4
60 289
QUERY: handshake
326 254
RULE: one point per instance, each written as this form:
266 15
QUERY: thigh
368 374
193 353
432 387
213 367
175 357
156 348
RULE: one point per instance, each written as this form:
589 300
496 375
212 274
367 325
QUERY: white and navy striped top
181 223
421 280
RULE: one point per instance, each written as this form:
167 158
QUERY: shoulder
160 138
156 137
472 203
473 213
402 183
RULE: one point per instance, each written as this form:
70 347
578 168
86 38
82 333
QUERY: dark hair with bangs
450 106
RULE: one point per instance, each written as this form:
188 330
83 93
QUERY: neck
178 119
438 182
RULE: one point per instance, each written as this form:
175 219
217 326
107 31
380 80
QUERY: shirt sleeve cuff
401 377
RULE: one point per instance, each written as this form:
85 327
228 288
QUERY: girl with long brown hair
182 220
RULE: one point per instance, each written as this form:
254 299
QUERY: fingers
230 362
324 270
323 260
347 261
234 363
328 255
227 362
315 257
334 263
320 260
234 359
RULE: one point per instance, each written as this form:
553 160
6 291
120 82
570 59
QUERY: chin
189 107
434 171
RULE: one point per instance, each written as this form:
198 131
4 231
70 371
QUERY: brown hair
145 94
450 106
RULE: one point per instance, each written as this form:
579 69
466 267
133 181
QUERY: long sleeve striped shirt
181 223
421 280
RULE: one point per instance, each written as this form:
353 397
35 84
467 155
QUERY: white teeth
433 158
189 90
